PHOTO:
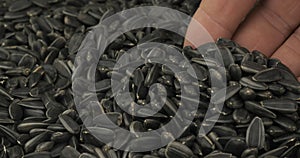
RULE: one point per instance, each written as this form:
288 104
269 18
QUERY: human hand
271 27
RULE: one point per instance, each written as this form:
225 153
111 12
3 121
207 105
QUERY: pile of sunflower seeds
38 119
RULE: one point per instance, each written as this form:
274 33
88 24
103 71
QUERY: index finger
220 18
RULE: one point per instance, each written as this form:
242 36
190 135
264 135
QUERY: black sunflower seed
144 142
250 152
241 116
31 144
219 154
176 149
255 136
267 75
4 92
251 67
60 136
70 125
27 126
31 103
15 151
281 105
247 93
286 123
69 152
19 5
45 146
41 3
248 82
38 155
62 68
235 146
224 131
101 86
14 15
9 134
152 75
259 110
230 91
275 152
86 19
235 72
15 111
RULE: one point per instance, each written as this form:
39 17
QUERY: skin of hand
270 26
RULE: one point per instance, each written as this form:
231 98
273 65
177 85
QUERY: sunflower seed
60 137
235 146
249 152
9 134
241 116
259 110
15 151
152 75
274 152
70 125
247 93
176 149
69 152
255 136
248 82
224 131
286 123
38 155
251 67
86 155
230 91
281 105
3 92
235 72
267 75
101 86
31 144
14 15
45 146
87 19
27 126
15 111
144 143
